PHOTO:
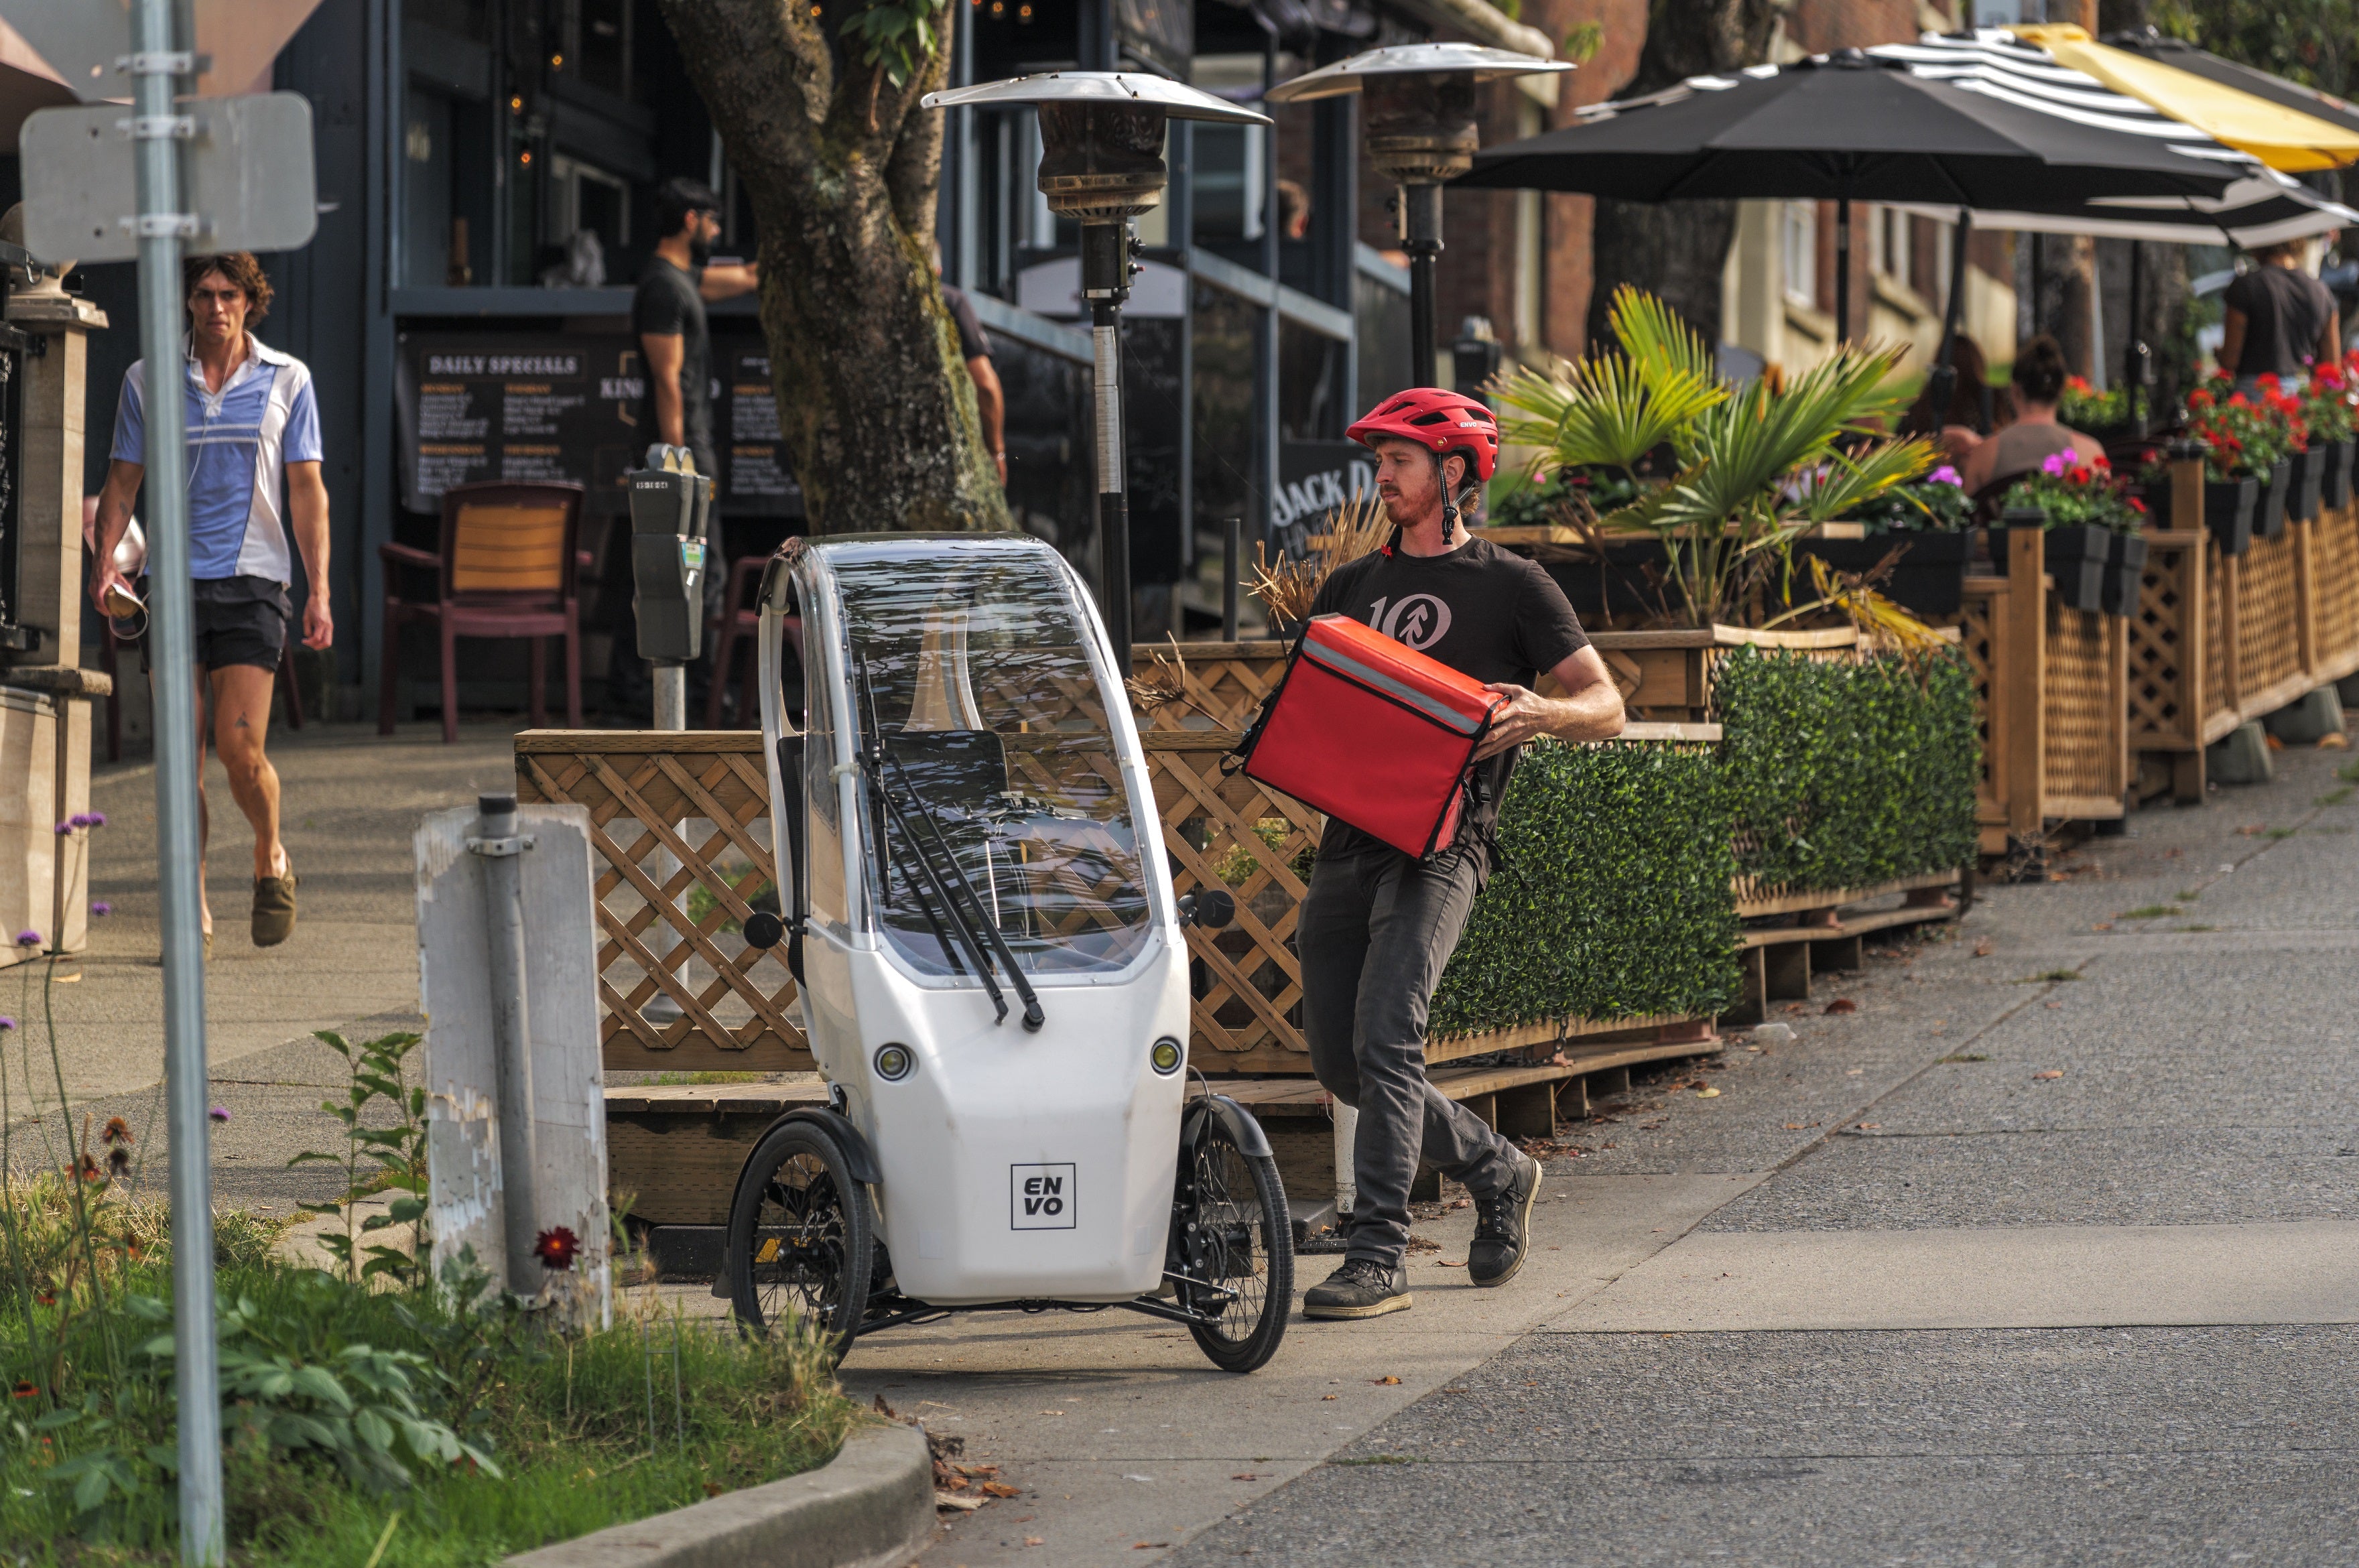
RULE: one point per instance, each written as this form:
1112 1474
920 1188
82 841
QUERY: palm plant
1759 465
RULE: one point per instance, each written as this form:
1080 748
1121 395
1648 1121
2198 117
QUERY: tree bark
874 401
1676 249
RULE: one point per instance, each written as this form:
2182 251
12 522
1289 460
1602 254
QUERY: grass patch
2333 797
2194 927
2188 895
2150 912
665 1079
2348 773
2050 976
1962 1056
2276 834
578 1430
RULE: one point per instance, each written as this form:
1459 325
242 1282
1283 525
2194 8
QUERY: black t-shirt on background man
669 303
2286 312
1482 611
974 342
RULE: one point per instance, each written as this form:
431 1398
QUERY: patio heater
1420 131
1101 164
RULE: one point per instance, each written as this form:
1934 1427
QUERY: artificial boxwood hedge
1616 903
1844 774
1620 901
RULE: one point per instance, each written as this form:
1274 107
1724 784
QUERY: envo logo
1041 1197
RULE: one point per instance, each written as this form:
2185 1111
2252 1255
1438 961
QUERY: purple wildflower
94 820
6 1024
1945 474
219 1113
28 939
64 828
100 907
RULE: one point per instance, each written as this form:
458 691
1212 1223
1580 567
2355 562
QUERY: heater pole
1105 281
1421 237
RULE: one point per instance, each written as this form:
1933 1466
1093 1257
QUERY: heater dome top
1352 75
1137 88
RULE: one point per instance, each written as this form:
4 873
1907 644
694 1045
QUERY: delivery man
1377 925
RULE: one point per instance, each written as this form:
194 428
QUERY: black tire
797 1200
1241 1243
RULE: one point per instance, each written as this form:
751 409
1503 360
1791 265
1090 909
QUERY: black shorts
240 620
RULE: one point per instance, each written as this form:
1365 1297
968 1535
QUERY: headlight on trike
1165 1056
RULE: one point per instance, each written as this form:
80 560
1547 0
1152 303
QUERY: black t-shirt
974 342
668 303
2286 312
1478 609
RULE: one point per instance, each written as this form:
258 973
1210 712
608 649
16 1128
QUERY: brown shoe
274 909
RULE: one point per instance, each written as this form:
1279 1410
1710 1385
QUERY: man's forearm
1594 712
670 423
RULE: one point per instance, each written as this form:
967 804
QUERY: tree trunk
1676 249
874 401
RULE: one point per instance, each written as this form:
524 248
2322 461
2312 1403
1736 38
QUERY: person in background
2279 319
974 347
1976 409
2036 434
676 393
1293 211
252 423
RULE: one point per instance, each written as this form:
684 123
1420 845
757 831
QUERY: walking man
1377 925
252 426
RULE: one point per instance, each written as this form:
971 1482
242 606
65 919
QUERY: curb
870 1507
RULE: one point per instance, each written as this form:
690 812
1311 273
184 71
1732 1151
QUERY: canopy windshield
969 664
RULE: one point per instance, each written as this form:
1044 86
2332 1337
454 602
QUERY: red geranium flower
556 1248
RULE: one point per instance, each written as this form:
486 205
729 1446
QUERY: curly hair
240 268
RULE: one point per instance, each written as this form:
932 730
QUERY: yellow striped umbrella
2280 135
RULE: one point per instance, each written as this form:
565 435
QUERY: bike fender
1243 1130
856 1151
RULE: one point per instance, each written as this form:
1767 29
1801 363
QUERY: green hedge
1844 775
1828 775
1617 905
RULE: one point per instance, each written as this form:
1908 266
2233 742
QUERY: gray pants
1376 930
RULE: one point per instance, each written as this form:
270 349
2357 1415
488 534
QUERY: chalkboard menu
564 405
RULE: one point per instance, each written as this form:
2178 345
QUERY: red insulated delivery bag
1369 730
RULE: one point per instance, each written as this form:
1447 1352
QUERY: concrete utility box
463 1071
44 779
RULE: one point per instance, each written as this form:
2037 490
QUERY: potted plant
2237 455
2095 552
2327 407
2107 416
2295 495
1928 522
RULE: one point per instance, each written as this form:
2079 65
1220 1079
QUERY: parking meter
670 504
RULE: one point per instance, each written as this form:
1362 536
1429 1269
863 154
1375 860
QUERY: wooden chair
506 569
742 617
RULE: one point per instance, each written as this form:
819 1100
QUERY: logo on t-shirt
1419 620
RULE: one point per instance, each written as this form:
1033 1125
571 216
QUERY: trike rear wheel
801 1239
1236 1247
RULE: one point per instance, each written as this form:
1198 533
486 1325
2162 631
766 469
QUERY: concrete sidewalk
351 802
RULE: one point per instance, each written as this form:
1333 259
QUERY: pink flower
2056 464
1945 474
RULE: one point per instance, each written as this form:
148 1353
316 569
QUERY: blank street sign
247 170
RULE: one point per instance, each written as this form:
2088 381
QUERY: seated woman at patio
1976 408
2036 434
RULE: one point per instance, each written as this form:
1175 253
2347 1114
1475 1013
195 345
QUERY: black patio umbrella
1857 127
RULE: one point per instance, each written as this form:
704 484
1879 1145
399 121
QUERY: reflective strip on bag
1431 706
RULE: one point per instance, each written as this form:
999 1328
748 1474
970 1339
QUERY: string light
525 158
516 104
556 62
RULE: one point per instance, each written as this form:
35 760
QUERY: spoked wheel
1235 1243
800 1237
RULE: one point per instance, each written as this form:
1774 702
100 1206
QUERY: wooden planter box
2221 639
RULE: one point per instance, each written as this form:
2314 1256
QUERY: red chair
506 569
741 616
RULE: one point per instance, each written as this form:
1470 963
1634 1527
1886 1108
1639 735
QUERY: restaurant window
1799 251
1890 232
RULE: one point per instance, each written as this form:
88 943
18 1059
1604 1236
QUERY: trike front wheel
1236 1249
801 1239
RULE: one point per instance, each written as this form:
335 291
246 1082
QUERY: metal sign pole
158 64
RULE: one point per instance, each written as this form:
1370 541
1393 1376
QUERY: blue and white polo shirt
240 440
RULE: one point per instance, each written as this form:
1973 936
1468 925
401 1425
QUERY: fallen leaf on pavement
1445 1263
2102 925
1842 1005
1328 1395
1793 1127
1871 1126
2051 1072
1706 1092
713 1489
1147 1545
1983 948
1000 1489
1244 1475
2275 743
952 1500
1033 1541
1386 1380
1423 1244
1052 1412
1462 1203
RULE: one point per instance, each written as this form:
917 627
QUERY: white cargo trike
980 920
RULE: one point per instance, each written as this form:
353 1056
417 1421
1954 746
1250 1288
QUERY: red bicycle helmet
1443 423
